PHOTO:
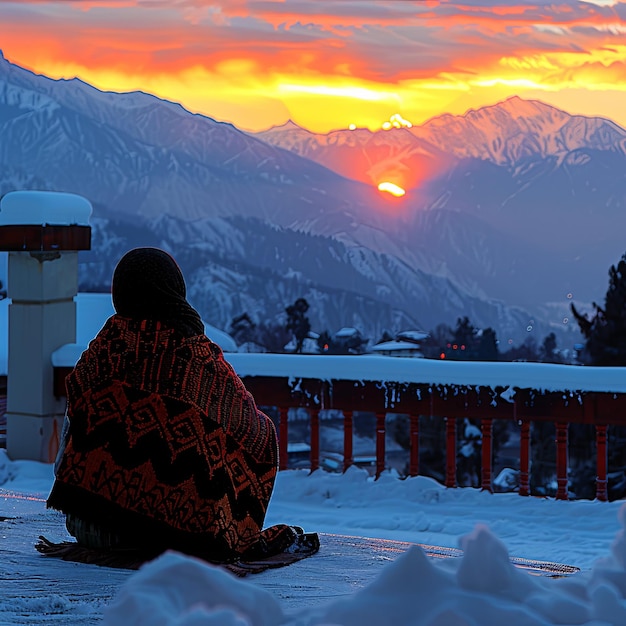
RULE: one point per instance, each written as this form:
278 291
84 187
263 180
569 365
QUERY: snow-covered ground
396 587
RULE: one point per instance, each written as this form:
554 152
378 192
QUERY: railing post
601 463
347 439
414 445
486 429
380 443
524 458
561 460
315 438
283 437
450 451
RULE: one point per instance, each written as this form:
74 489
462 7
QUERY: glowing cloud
391 188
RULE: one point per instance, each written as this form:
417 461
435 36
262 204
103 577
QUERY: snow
396 345
44 207
92 311
480 588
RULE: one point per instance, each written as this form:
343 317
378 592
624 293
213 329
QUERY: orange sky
330 63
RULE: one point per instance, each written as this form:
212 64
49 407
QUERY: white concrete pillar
43 232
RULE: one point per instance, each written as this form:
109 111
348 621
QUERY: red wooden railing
449 402
600 409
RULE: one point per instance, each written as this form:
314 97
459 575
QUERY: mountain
544 192
515 130
257 223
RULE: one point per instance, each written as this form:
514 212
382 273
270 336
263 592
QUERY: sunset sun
391 188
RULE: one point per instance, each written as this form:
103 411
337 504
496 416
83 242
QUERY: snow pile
44 207
482 588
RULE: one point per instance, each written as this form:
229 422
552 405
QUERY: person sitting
163 446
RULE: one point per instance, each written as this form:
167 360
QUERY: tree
605 335
435 344
462 346
242 329
488 346
605 331
297 322
527 351
548 352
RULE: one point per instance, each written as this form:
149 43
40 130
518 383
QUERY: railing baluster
601 463
315 438
380 443
561 460
524 458
414 445
347 439
283 437
486 429
450 452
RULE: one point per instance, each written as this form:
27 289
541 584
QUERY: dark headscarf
148 285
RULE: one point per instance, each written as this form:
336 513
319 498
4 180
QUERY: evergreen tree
605 334
605 331
242 329
462 347
547 352
488 346
297 322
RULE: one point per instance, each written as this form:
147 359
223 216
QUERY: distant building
407 343
349 340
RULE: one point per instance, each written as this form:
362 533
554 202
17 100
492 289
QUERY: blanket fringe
121 558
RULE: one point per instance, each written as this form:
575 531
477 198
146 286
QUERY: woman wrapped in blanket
164 446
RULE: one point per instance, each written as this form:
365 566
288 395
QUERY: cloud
427 53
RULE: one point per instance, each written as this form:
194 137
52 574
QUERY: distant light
391 188
352 127
442 355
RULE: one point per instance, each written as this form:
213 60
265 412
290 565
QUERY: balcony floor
50 591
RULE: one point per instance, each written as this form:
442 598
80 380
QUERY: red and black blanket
166 446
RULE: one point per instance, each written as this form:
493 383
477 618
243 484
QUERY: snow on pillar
43 232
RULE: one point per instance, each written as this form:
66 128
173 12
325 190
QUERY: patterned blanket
166 447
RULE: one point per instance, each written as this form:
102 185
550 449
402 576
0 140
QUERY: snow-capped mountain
544 192
515 130
258 221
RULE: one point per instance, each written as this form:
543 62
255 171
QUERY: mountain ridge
144 162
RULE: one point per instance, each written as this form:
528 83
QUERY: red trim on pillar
486 429
524 458
315 439
601 463
283 437
561 461
42 238
450 452
347 439
414 445
380 443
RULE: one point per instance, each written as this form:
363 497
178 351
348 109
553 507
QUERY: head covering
148 285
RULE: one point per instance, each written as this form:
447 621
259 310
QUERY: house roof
394 345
